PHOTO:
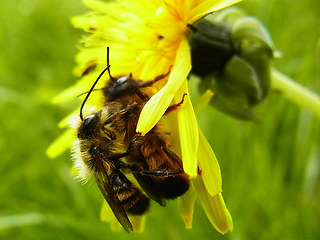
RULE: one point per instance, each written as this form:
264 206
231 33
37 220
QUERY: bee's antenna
108 56
97 89
91 89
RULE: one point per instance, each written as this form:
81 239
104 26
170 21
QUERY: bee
101 150
108 147
166 178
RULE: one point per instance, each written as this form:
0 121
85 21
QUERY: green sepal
252 42
232 54
239 82
235 106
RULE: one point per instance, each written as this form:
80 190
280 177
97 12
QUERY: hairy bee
109 147
101 150
166 179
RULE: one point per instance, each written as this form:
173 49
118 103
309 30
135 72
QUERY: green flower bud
232 54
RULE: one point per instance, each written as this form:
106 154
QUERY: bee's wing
103 182
150 187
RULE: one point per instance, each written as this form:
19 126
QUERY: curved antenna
108 56
91 89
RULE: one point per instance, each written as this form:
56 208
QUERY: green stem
295 92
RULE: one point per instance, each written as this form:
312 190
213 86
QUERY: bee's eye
120 86
121 81
88 128
123 86
87 122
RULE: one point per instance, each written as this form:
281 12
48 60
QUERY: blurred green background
270 170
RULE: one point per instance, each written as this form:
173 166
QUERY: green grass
270 170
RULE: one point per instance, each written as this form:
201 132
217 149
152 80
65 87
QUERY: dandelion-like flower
148 38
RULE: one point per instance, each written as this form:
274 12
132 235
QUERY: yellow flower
147 38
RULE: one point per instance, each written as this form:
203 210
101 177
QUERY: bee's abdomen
173 186
132 200
135 203
169 187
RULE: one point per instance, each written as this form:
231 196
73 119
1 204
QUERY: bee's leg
143 84
161 173
136 169
135 143
175 106
112 117
143 96
172 155
133 168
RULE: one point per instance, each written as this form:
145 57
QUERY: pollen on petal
209 166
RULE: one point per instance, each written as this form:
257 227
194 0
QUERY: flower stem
295 93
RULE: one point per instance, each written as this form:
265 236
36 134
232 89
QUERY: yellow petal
61 144
189 134
209 166
214 207
158 104
83 22
203 101
106 214
182 65
66 121
153 111
209 6
138 223
187 202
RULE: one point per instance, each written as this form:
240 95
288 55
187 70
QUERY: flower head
148 38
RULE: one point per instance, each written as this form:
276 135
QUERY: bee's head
90 126
121 86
